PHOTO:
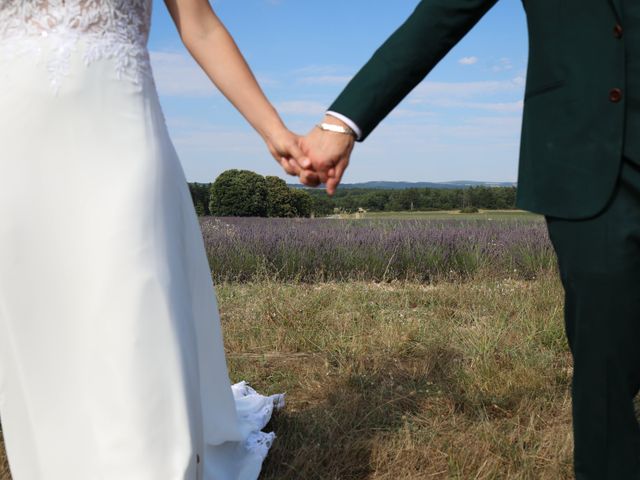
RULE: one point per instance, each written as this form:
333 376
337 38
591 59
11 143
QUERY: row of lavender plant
241 249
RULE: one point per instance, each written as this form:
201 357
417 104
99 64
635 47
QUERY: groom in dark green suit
579 167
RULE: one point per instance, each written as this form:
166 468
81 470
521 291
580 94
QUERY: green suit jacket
573 120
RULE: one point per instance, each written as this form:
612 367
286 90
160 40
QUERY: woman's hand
285 148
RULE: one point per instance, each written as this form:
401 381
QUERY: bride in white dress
111 356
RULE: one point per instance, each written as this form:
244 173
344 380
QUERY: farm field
375 249
408 348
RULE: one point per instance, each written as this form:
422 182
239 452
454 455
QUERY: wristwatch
330 127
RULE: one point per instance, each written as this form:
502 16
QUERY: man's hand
326 156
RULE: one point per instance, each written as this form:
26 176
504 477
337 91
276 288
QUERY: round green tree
302 203
239 193
279 201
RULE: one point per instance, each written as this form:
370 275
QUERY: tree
200 196
301 202
321 205
375 200
239 193
483 197
279 198
401 200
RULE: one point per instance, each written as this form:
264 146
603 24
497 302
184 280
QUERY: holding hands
327 151
321 157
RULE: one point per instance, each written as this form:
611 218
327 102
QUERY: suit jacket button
615 95
617 31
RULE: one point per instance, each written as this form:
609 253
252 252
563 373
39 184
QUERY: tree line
244 193
416 199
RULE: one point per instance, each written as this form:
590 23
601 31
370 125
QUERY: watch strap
330 127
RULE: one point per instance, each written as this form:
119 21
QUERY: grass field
396 379
408 381
454 380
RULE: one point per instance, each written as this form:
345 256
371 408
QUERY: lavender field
315 250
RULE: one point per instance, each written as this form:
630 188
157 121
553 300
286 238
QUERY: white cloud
468 60
435 102
405 113
301 107
482 130
328 75
466 90
317 70
516 106
178 74
480 148
501 65
325 80
192 136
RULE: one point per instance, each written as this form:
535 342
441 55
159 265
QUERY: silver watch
330 127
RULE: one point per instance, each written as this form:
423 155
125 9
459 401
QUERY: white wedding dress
112 364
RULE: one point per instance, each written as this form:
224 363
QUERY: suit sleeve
405 58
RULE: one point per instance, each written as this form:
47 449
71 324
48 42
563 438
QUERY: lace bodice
116 29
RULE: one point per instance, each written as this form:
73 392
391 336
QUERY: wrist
334 121
346 120
337 126
272 130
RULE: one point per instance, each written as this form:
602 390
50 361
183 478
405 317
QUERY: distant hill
404 185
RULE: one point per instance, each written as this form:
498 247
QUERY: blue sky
462 122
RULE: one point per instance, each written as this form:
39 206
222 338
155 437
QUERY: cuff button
615 95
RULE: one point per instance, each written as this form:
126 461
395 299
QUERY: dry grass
465 380
408 381
4 465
